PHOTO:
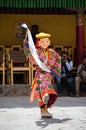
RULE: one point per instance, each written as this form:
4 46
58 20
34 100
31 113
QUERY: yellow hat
43 35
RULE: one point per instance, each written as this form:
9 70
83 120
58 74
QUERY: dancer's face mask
44 43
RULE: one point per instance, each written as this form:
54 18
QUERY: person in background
67 79
80 79
34 31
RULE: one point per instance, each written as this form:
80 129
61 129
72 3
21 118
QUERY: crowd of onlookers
73 83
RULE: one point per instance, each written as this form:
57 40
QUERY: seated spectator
80 80
66 79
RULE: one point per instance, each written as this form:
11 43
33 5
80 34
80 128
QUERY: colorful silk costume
42 83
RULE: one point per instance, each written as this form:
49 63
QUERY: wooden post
79 35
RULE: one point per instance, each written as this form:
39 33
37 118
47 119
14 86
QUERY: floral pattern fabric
43 80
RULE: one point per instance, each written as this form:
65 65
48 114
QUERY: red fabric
36 43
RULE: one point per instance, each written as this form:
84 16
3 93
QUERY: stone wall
25 90
15 90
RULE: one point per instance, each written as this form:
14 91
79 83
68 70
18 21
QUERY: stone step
15 90
24 90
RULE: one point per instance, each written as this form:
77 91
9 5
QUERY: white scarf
33 50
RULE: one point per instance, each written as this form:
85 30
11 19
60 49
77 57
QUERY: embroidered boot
45 113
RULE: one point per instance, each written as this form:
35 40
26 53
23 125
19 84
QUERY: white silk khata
33 49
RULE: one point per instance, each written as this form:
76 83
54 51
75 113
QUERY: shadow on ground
45 122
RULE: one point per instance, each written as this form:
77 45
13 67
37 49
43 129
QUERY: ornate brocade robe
42 83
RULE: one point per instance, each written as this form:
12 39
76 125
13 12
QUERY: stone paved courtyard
16 113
